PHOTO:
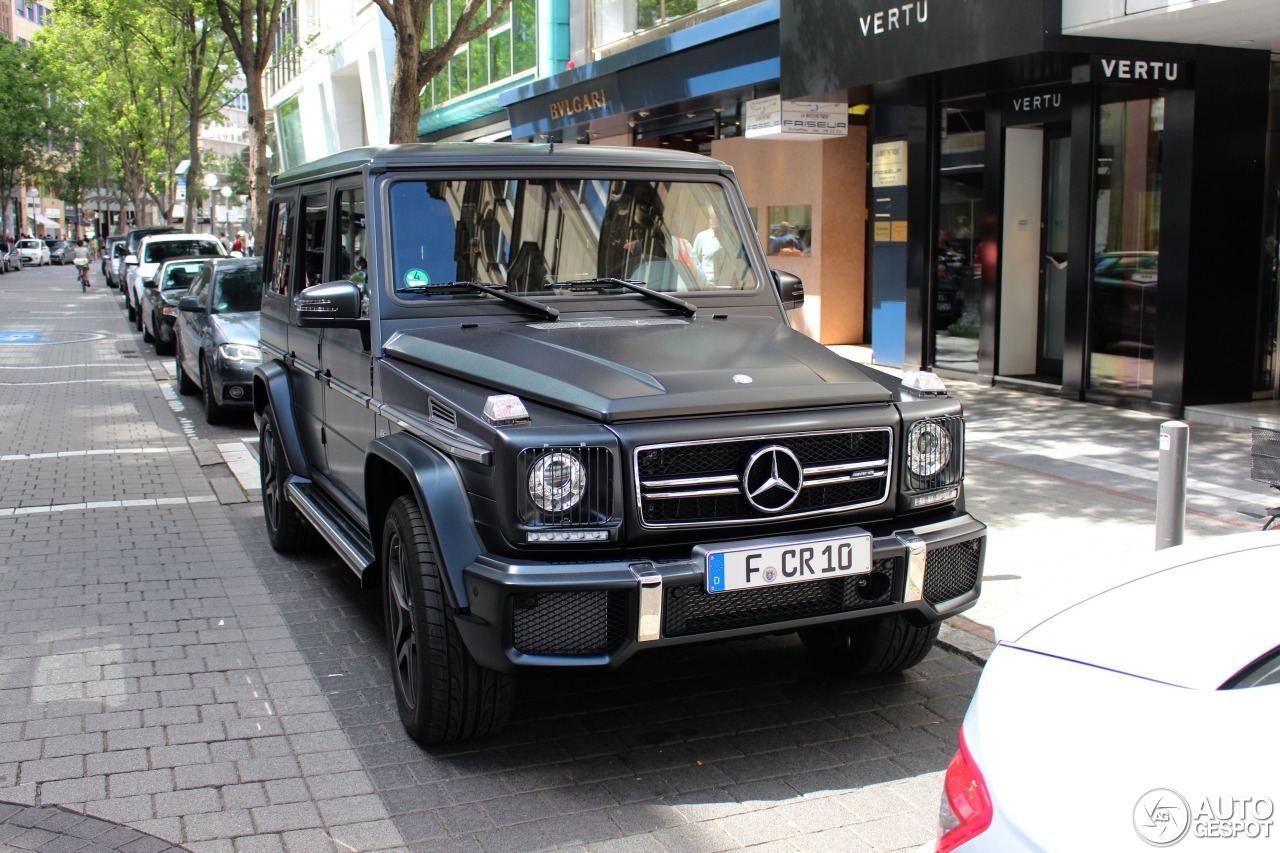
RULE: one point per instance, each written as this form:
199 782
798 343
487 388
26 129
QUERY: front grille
698 483
586 622
952 570
692 610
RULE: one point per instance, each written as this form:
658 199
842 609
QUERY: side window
315 226
281 238
201 284
350 260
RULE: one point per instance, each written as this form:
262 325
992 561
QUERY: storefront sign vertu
774 118
895 17
1126 69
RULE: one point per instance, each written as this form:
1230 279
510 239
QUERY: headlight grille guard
593 510
950 474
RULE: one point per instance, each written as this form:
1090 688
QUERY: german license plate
791 562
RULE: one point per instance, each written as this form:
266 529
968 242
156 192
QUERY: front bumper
596 615
233 381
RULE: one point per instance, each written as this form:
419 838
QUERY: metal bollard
1171 484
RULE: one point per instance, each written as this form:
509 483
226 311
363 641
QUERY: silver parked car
217 335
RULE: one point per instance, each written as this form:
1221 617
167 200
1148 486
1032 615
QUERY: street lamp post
226 208
211 181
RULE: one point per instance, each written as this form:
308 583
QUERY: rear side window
156 252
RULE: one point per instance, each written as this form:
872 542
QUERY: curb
972 640
57 828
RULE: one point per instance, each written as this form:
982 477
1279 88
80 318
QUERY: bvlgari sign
827 45
774 118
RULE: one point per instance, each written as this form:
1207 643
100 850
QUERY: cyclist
80 257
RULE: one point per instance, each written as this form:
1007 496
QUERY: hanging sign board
774 118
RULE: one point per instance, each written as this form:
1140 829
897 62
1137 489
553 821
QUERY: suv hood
630 369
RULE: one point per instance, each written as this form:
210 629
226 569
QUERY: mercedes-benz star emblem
772 479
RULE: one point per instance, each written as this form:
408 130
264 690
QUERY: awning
47 222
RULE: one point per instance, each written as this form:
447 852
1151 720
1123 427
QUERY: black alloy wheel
442 694
214 411
185 385
287 530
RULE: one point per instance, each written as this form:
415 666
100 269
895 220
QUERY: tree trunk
406 108
259 178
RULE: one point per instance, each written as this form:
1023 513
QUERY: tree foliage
25 121
144 74
250 27
417 64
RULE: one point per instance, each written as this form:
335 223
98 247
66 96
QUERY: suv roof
490 154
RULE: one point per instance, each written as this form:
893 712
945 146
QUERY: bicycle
1264 467
82 272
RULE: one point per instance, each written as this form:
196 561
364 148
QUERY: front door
1053 266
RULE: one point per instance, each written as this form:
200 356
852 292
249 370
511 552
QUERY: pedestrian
238 245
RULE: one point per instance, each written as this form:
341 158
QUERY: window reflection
957 249
1127 244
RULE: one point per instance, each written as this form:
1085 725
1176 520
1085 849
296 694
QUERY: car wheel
872 646
128 304
214 412
185 385
441 692
163 347
287 530
147 337
137 319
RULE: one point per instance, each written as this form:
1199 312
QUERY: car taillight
966 808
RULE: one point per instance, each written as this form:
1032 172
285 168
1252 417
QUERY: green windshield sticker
416 277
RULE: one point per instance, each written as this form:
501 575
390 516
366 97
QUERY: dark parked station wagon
547 401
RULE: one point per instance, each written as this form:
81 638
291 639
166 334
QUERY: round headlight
928 449
556 482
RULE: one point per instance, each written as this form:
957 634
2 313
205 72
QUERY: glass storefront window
614 20
958 256
1126 246
509 49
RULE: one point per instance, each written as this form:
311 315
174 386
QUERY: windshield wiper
688 309
470 286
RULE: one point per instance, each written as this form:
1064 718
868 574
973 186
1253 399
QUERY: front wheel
442 694
873 646
185 385
214 412
147 337
287 530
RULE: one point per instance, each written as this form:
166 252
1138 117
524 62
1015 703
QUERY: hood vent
442 414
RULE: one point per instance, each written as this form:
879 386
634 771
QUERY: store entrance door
1053 265
1033 263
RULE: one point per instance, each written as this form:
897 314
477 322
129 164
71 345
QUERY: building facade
1078 197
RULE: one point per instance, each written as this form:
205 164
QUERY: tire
442 694
133 314
873 646
287 530
147 337
214 412
163 347
185 385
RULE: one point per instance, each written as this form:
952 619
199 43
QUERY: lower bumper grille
692 610
587 622
952 570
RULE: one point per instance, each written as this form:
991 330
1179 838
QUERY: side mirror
790 289
150 284
191 305
131 260
332 305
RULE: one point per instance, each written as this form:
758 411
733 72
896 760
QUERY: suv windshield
533 237
165 249
238 289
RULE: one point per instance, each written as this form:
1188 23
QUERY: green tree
251 27
24 122
417 63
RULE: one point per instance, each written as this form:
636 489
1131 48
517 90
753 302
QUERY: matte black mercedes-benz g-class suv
547 401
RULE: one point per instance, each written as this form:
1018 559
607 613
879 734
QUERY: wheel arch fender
271 390
400 464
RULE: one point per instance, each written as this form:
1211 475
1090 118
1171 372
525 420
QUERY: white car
32 251
1140 713
154 250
